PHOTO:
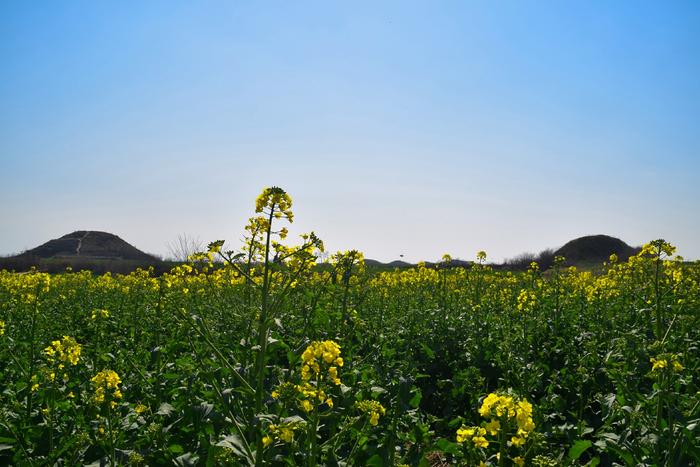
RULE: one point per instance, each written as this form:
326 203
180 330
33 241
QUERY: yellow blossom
287 435
66 350
658 364
318 354
492 427
306 405
103 381
480 442
517 441
372 408
99 313
267 440
465 433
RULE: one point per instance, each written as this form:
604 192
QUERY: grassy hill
90 244
92 250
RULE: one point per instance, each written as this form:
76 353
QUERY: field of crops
259 356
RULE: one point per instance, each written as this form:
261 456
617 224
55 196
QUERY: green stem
112 450
502 442
262 336
657 293
32 351
313 433
357 440
659 416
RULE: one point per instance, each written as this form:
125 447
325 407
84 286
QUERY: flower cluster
347 262
35 384
305 395
2 327
320 355
527 300
104 381
277 200
284 431
66 350
101 313
657 248
507 414
669 361
505 408
372 408
475 434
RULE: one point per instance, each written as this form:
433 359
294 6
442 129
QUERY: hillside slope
89 244
594 249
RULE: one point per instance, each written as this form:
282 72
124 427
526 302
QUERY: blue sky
414 128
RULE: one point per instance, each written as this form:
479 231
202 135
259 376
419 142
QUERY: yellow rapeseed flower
659 364
99 313
666 361
492 427
372 408
287 435
104 381
66 350
465 433
284 431
318 355
267 440
306 405
480 442
517 441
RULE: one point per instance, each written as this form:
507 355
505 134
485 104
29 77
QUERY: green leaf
415 400
234 443
176 448
203 410
165 409
187 459
375 461
428 351
579 448
448 446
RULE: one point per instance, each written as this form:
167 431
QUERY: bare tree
184 246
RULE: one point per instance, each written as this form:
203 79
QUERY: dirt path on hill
80 243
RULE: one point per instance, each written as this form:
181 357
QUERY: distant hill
89 244
102 251
595 249
378 265
587 251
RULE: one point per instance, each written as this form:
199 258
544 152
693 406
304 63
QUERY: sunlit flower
372 408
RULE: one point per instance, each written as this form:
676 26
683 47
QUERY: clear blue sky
413 128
